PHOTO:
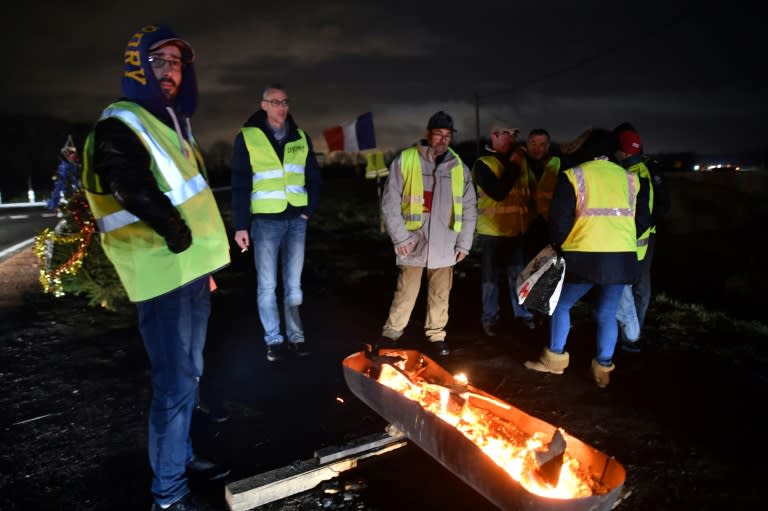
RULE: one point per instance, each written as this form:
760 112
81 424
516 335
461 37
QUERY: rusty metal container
448 446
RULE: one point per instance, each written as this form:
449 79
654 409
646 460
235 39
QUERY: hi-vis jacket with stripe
145 265
510 216
276 184
606 198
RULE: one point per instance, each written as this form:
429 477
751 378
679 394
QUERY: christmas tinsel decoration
71 257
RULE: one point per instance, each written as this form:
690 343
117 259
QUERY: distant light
696 167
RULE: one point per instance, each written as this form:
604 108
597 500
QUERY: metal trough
460 455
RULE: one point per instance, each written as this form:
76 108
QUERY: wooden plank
280 483
362 444
283 482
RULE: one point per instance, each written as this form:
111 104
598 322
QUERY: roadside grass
676 317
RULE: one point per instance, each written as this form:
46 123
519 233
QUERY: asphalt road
19 224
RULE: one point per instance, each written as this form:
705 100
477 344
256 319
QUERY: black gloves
177 236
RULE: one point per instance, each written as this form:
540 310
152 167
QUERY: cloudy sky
690 77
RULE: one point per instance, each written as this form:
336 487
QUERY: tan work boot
601 374
549 362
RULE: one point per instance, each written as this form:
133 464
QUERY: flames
509 447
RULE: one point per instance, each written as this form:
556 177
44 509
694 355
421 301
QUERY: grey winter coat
436 241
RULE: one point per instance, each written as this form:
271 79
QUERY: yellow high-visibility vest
413 189
606 200
375 165
145 265
545 186
276 184
641 171
510 216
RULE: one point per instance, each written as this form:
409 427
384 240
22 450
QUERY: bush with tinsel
72 260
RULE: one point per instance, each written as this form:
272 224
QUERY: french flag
353 136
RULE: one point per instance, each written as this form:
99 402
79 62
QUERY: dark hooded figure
159 225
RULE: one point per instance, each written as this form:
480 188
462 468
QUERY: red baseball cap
630 142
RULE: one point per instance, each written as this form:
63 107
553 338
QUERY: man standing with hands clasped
429 210
275 189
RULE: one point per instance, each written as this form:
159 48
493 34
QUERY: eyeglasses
276 102
444 136
159 63
511 133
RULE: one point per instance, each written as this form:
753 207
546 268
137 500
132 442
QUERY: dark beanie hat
440 120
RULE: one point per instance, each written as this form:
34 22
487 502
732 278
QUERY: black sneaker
187 503
631 347
489 330
299 349
441 347
275 352
203 469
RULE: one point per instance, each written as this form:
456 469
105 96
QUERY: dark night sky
689 76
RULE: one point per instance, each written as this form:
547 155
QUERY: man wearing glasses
505 207
160 227
429 211
275 189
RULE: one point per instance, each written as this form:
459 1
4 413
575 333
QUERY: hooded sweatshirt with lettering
120 158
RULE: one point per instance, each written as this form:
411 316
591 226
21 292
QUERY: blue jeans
626 314
284 238
641 289
499 254
608 296
173 327
635 300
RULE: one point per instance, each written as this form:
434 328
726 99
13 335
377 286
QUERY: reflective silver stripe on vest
277 194
294 168
122 218
162 159
263 175
581 198
642 242
267 174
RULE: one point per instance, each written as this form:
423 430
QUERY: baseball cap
440 120
500 125
630 142
187 53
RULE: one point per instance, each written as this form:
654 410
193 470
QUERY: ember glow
509 447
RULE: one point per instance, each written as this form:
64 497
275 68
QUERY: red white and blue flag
353 136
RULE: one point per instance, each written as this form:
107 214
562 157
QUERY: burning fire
509 447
